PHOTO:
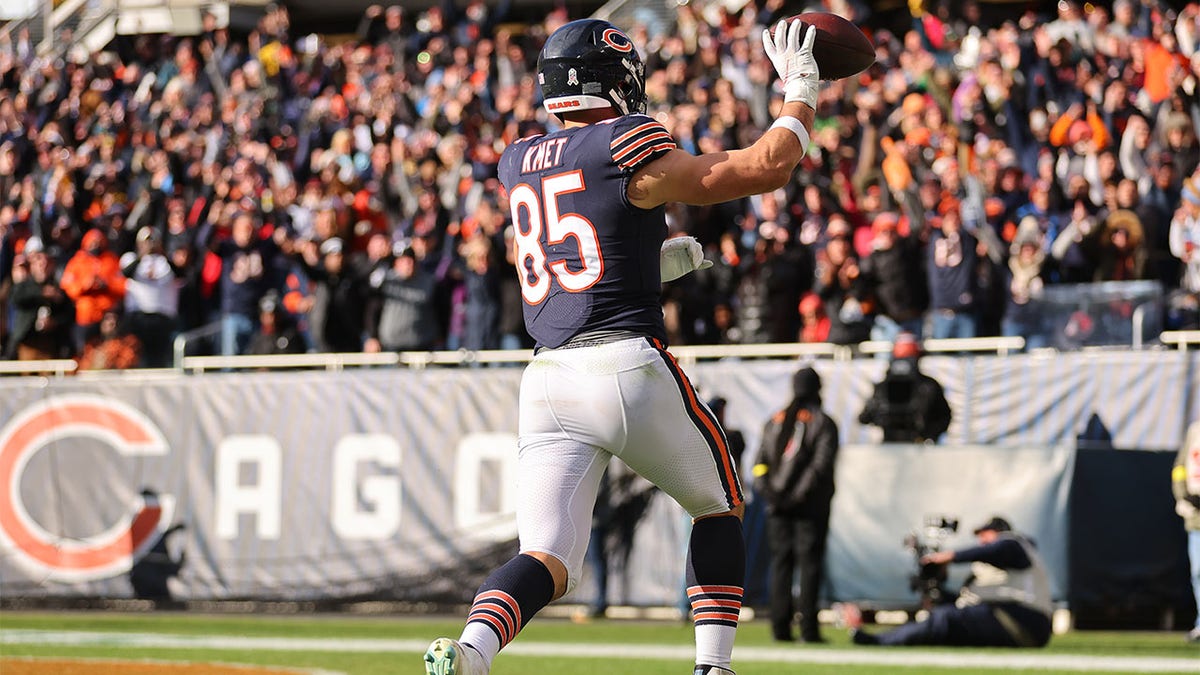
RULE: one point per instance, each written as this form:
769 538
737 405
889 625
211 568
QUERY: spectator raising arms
248 261
151 298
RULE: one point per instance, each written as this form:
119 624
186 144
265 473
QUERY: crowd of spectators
325 193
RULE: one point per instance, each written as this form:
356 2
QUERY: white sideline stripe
864 656
83 660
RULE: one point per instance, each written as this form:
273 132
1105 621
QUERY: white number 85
535 277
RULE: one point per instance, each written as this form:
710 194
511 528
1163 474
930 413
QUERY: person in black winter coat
401 316
895 276
337 315
794 474
908 405
44 314
276 333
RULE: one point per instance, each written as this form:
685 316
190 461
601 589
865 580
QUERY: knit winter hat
806 384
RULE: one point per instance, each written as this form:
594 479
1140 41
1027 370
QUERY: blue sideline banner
296 486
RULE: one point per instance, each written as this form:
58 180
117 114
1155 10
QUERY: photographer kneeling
1004 603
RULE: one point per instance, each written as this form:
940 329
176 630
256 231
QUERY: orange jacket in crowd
1069 129
115 353
94 282
1159 63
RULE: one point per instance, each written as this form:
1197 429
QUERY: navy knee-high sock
505 602
716 570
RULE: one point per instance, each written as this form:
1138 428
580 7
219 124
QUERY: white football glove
1184 508
680 256
793 60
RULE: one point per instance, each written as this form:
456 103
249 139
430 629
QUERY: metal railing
46 28
999 346
335 361
180 346
66 16
201 364
12 29
658 15
686 354
1002 346
92 23
693 353
93 27
56 367
1139 324
1181 339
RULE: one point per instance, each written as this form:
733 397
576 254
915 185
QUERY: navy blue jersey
587 259
245 274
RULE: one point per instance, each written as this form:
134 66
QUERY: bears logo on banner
112 552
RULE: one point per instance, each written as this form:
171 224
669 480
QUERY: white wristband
795 126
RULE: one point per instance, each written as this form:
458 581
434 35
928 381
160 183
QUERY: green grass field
368 646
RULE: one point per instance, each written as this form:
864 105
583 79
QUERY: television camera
930 578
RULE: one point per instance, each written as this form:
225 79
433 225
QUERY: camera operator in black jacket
794 474
1004 603
908 405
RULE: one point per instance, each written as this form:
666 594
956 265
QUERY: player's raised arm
766 165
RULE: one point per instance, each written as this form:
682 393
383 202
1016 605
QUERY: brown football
841 49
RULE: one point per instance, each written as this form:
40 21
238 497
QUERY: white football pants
629 399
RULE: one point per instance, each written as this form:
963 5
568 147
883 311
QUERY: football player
588 209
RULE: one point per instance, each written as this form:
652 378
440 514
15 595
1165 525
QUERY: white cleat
451 657
712 670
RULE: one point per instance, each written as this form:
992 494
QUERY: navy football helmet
591 63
